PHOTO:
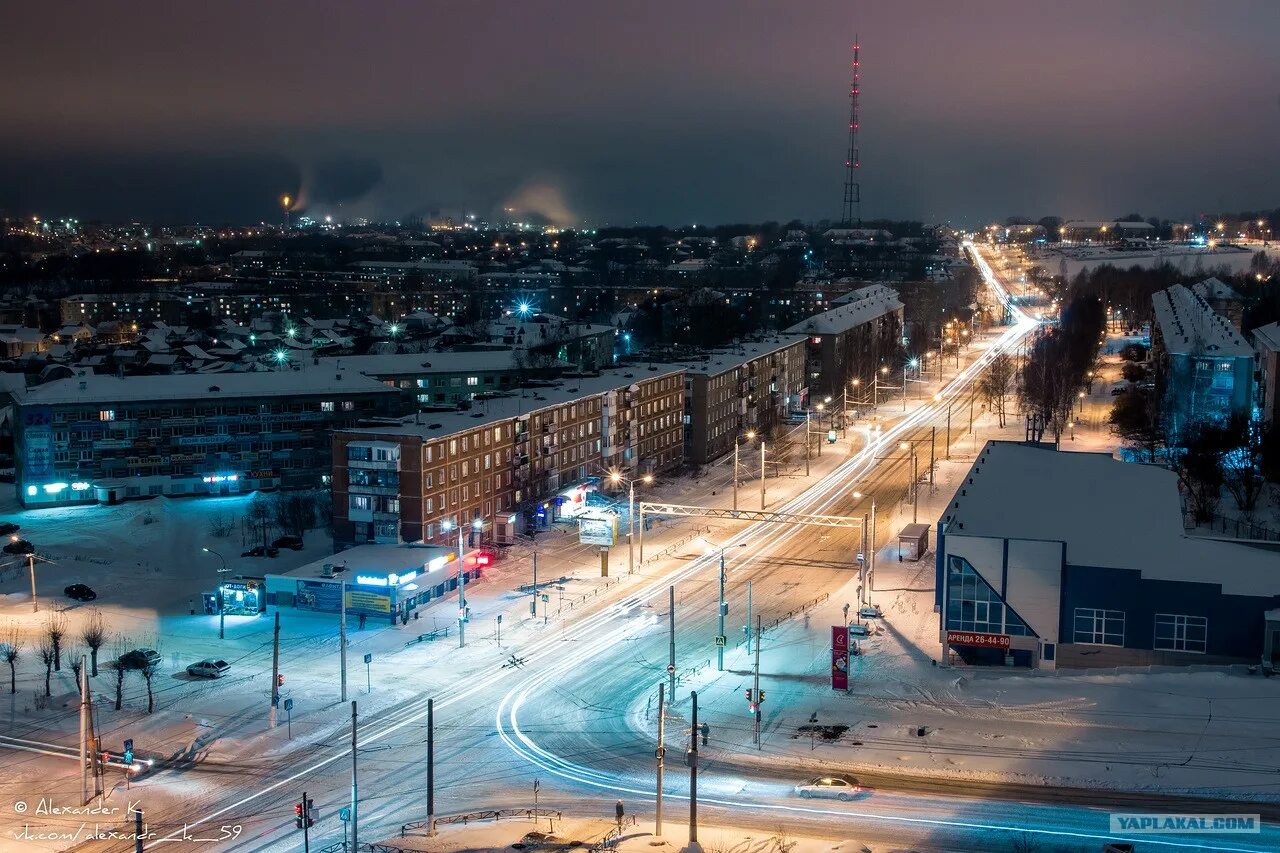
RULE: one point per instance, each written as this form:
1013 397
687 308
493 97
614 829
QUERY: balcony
389 491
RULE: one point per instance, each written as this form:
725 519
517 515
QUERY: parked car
293 543
8 528
209 669
1116 392
79 592
842 788
261 551
140 659
19 546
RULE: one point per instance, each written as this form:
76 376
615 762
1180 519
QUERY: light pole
915 480
868 566
616 477
217 591
722 610
762 474
737 442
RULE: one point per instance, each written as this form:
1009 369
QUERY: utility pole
748 615
355 799
721 639
275 670
306 819
342 634
631 529
756 729
671 664
31 566
736 442
807 440
533 605
862 586
137 831
84 730
660 752
915 488
693 771
462 591
431 767
933 444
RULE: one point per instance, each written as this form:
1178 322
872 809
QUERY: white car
209 669
843 788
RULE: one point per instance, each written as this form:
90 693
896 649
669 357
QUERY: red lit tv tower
852 190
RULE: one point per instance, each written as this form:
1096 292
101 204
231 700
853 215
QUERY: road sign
288 704
545 598
660 752
671 668
344 814
128 744
721 640
368 658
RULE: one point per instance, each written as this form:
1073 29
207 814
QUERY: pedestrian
362 618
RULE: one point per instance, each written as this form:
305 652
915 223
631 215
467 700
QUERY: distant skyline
665 113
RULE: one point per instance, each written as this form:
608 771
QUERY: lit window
107 415
326 406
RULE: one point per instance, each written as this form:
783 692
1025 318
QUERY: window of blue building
1099 627
972 605
1178 633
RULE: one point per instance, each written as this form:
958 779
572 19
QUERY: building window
473 380
107 415
326 406
359 454
348 405
359 502
1099 627
972 605
1177 633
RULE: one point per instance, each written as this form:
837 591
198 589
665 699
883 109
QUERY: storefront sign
357 599
982 641
316 595
839 657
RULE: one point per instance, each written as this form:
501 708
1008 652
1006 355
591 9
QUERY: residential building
105 438
501 457
853 339
1205 363
1053 558
1222 299
1266 344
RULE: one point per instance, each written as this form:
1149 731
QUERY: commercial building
750 386
380 582
1205 363
1266 344
104 438
1050 558
853 339
500 457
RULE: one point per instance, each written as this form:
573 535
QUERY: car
842 788
79 592
8 528
1116 392
261 551
209 669
293 543
19 546
140 659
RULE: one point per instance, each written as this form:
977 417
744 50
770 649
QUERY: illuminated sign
392 579
222 478
983 641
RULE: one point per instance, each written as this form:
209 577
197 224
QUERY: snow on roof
1214 288
380 559
92 388
1109 514
734 356
416 363
861 306
1190 327
1267 338
495 408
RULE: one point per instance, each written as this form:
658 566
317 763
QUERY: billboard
360 600
982 641
601 530
839 657
317 595
37 443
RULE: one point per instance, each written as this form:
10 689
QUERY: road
571 715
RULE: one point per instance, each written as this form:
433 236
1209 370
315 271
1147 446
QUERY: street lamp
868 562
447 525
737 442
616 478
723 609
222 611
915 480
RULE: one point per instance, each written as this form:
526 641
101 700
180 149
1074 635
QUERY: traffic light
761 699
304 811
748 694
297 815
280 679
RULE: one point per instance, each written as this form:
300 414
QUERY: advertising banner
982 641
368 601
315 595
839 657
598 530
37 443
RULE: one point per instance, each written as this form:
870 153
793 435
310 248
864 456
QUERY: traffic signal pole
306 830
660 753
275 670
355 799
671 664
431 767
693 770
756 727
721 639
342 635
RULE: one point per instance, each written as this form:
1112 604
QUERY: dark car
140 659
79 592
19 546
293 543
8 528
261 551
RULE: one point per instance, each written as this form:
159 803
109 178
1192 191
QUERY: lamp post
915 480
751 434
616 478
217 591
868 566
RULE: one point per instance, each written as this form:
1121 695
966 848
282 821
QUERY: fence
791 614
671 549
1235 527
614 835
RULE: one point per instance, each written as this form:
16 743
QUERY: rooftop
1190 326
415 363
860 306
378 560
1109 514
93 388
1267 338
735 355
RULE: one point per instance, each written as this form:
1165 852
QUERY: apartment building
500 458
748 387
105 438
853 339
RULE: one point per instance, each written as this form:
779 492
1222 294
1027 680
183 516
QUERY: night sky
663 112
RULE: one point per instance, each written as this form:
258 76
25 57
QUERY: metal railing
676 546
472 817
1237 528
613 836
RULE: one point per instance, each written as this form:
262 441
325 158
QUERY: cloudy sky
613 112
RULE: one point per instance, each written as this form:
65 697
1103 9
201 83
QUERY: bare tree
56 629
10 649
77 664
47 653
997 384
119 682
94 634
148 672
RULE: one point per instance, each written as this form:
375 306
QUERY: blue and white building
1048 558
